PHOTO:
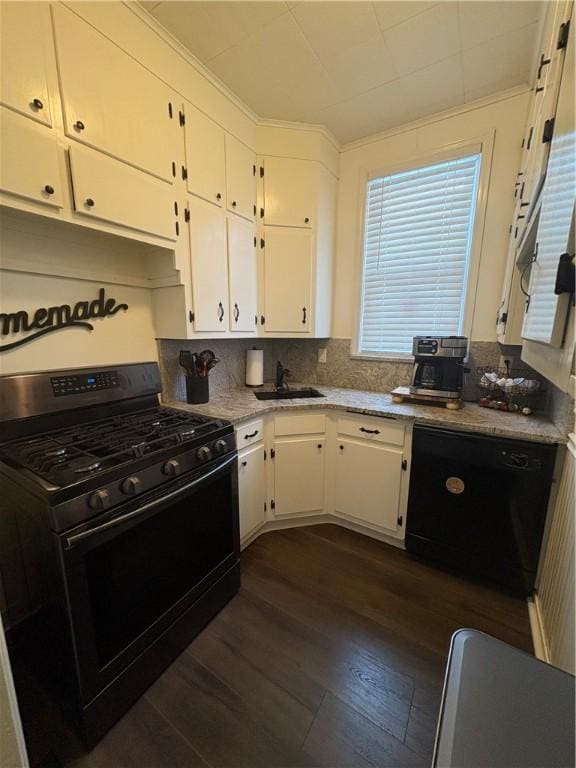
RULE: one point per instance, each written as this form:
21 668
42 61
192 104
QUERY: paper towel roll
254 367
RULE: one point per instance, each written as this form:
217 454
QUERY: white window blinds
417 241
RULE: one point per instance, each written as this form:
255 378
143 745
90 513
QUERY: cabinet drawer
299 424
109 190
379 430
251 432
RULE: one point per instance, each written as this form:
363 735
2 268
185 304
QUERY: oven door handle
71 541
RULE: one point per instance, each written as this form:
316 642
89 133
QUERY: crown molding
296 126
437 117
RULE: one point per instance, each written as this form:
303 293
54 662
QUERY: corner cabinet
297 215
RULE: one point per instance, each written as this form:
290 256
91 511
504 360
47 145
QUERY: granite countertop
237 405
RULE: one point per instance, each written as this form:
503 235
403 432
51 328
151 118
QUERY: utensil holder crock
197 389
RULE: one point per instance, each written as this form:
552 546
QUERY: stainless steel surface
32 394
501 707
446 346
143 508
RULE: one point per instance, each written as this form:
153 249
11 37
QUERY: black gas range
129 515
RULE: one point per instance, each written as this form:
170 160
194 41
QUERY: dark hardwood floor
332 654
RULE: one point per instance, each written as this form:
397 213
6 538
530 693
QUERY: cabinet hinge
181 117
186 214
184 173
400 520
261 171
272 453
404 465
191 316
262 319
262 242
272 504
170 109
254 170
548 131
563 35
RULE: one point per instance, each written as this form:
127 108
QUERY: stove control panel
77 384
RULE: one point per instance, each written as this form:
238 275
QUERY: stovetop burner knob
204 453
131 485
220 446
172 468
99 500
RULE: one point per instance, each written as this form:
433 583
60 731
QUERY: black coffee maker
438 365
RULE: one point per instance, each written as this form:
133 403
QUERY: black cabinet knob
306 220
244 463
79 125
37 104
233 203
218 196
89 202
48 189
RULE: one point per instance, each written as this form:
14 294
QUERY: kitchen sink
288 394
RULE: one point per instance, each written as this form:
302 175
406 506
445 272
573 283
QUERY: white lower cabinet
299 474
251 489
367 483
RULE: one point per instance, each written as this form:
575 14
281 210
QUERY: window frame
483 145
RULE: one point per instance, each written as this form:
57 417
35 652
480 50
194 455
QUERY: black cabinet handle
218 196
319 445
233 203
306 220
370 431
236 313
220 312
79 125
303 315
541 66
37 104
48 189
341 447
89 202
244 463
252 434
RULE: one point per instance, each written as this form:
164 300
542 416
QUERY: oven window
136 576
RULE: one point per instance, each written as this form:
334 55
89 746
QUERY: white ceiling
358 67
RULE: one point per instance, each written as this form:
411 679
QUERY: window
418 229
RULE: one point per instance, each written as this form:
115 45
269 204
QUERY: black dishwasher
478 504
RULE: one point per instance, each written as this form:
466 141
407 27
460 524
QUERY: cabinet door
368 479
240 178
545 318
251 489
289 192
108 190
110 101
204 157
208 259
26 55
299 468
243 306
287 279
30 160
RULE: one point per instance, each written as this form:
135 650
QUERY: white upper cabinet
545 318
209 266
30 166
111 102
240 178
290 195
368 480
112 191
205 160
288 262
26 58
243 281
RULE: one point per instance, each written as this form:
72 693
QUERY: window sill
409 359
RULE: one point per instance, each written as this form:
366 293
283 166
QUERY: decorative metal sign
49 319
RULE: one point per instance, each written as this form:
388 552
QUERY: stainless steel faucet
281 374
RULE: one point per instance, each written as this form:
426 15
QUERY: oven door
129 577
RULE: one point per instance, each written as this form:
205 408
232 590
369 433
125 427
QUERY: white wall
507 118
